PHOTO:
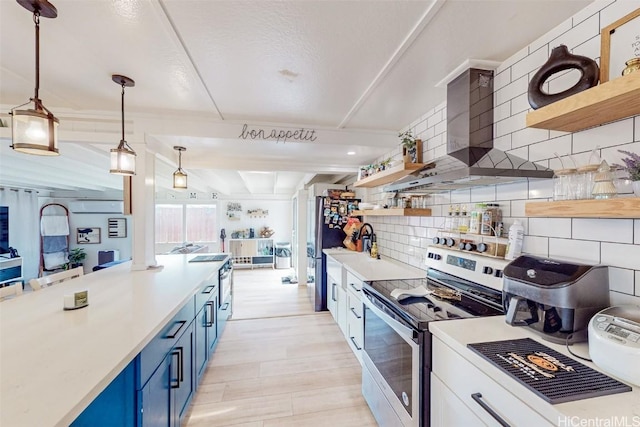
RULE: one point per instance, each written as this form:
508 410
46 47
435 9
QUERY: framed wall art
87 235
117 227
620 42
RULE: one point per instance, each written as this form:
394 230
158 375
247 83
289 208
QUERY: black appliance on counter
397 342
331 216
555 298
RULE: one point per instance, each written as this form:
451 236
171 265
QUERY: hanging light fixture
123 158
35 131
180 176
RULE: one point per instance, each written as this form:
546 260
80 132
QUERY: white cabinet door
447 410
332 296
342 308
355 323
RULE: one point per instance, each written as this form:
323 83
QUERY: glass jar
564 184
584 180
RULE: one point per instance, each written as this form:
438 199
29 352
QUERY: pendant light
123 158
35 131
180 176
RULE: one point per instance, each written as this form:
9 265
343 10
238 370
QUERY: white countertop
458 333
366 268
53 363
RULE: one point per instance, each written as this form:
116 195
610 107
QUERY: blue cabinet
206 335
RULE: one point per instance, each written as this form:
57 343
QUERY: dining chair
52 279
11 291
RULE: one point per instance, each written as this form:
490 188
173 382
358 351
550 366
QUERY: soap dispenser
374 247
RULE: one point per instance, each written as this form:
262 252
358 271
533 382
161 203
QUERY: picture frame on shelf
619 42
87 235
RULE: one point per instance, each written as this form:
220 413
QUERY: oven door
391 360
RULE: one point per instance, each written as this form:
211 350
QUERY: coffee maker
553 297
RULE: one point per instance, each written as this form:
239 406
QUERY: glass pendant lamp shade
35 131
123 158
180 176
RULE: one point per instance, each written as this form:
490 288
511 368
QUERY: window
191 223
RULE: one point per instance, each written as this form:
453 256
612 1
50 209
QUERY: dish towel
52 244
54 225
420 291
55 260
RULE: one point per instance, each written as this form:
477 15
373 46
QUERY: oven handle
405 332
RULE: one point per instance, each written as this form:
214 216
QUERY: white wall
279 218
613 242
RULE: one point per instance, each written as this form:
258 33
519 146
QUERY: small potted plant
632 166
76 256
408 142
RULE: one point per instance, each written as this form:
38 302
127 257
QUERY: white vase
636 188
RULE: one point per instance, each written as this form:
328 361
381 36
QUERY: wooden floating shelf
389 175
393 212
610 101
627 207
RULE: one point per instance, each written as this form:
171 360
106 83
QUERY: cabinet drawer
152 355
334 269
207 290
353 283
465 380
354 306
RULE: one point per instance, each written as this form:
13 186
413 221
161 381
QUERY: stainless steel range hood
471 159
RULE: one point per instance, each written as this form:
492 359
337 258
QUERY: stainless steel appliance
331 216
553 297
397 341
225 275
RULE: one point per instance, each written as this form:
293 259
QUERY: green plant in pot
408 142
76 256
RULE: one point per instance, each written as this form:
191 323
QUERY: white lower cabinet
355 321
332 296
447 410
476 392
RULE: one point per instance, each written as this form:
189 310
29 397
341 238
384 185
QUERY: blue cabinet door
155 396
212 329
184 370
224 312
201 352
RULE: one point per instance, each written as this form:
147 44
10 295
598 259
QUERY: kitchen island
460 372
54 363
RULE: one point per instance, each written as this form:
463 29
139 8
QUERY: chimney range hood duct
471 159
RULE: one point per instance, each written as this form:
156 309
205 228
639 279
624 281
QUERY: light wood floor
278 363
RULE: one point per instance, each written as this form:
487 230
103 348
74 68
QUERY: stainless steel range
397 341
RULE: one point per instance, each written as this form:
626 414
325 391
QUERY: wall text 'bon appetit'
278 135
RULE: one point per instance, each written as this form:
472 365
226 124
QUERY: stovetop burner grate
554 377
208 258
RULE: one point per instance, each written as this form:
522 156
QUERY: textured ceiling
356 71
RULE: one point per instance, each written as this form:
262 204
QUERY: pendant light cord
122 110
36 20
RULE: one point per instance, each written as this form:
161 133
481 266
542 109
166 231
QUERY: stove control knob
470 246
487 270
482 247
436 240
497 273
450 242
461 246
437 257
430 255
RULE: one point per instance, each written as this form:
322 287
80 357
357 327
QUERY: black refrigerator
331 216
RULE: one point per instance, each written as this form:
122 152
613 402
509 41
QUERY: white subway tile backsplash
545 150
590 48
606 230
613 156
636 231
426 221
516 190
637 292
620 132
575 250
502 111
511 124
637 129
521 54
461 196
540 188
617 298
621 280
501 79
550 227
513 89
585 30
592 9
528 136
520 103
483 194
441 127
617 10
503 142
535 245
532 62
435 119
517 207
621 255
